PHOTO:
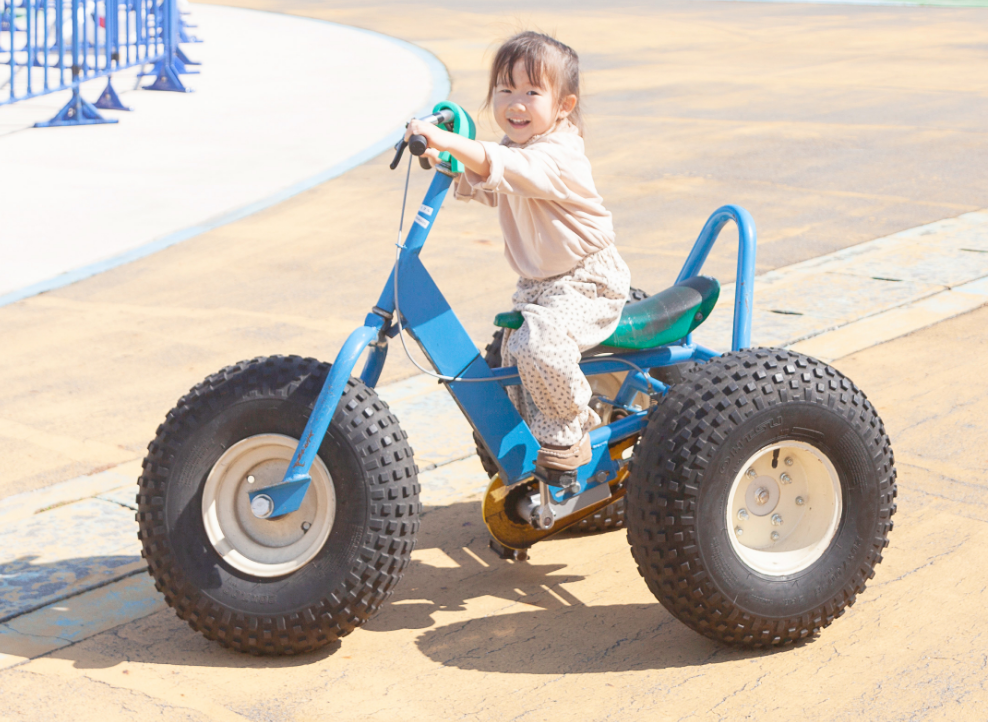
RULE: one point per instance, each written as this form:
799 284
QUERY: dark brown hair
547 61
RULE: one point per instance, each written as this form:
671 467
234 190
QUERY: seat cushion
658 320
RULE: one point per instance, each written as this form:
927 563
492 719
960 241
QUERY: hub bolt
261 506
306 526
775 536
785 478
250 479
776 520
742 514
800 501
762 495
789 461
739 531
751 473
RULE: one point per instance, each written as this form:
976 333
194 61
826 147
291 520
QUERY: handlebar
417 144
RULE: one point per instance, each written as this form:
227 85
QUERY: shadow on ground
510 617
26 585
543 627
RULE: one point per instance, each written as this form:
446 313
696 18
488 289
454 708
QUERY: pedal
555 477
508 511
542 516
518 555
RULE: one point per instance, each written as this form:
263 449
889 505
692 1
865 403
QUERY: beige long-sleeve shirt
550 213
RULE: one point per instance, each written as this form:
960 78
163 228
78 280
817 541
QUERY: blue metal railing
52 45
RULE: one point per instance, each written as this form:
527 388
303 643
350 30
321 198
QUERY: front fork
286 496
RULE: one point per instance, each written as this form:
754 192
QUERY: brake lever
399 150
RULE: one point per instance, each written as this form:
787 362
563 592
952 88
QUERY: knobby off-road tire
612 515
746 427
362 508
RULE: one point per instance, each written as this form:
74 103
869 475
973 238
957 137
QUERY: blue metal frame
428 319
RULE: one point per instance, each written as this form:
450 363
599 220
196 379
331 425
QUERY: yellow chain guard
520 535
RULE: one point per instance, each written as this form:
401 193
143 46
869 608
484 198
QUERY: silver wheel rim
265 547
781 519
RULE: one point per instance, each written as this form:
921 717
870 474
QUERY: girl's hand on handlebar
469 152
430 132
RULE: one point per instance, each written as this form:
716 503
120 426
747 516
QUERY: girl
558 236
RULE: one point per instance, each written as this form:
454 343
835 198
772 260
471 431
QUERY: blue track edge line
440 91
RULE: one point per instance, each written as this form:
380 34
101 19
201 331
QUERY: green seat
658 320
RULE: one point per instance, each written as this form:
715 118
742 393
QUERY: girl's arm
469 152
527 173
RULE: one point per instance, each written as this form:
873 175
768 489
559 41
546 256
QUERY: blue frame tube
744 291
429 320
375 363
634 383
602 468
662 356
316 427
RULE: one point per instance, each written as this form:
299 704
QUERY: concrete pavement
51 551
575 632
92 368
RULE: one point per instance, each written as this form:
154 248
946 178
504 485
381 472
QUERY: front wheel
763 494
286 585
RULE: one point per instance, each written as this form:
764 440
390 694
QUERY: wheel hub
762 496
260 546
784 507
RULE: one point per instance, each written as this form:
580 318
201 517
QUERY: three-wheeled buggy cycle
279 501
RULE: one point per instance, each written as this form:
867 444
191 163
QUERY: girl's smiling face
526 109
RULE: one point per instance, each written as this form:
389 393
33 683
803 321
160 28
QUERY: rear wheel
286 585
762 492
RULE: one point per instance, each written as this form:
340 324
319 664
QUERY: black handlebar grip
417 144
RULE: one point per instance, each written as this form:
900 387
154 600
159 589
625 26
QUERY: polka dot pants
564 316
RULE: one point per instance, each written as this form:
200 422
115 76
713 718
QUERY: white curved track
282 103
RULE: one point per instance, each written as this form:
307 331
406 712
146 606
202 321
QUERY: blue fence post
8 21
60 39
77 111
169 66
67 52
184 36
108 99
28 45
